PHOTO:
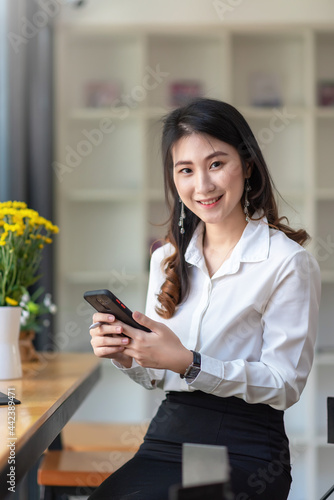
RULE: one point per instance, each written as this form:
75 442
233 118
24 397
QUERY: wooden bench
86 436
91 452
79 469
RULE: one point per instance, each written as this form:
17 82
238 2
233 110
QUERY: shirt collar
253 246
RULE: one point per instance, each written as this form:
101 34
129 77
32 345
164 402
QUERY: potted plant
23 235
34 316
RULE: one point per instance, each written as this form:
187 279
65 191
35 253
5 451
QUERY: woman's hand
107 340
160 348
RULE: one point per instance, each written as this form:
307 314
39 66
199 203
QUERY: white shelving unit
108 178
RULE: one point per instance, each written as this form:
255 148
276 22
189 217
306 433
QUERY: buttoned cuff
210 376
122 367
147 377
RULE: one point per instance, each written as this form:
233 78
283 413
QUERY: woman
232 304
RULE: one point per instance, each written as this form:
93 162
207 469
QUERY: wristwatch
193 370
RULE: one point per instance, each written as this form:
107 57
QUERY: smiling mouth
210 202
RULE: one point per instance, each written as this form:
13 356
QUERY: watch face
193 372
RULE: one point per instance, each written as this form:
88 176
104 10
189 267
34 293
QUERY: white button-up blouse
254 321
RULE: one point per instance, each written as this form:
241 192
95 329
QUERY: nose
204 183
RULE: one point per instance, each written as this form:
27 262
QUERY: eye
185 170
216 164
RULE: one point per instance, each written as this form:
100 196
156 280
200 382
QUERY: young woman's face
209 178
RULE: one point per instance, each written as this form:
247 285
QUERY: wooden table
50 392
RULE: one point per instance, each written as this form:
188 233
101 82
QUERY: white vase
10 360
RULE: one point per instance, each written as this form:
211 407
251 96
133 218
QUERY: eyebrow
212 155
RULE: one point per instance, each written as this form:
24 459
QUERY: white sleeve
149 377
290 322
138 374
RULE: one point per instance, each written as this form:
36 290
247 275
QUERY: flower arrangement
23 235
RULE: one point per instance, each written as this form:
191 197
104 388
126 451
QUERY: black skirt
253 433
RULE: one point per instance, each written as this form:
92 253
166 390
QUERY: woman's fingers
108 345
103 318
144 320
109 340
105 324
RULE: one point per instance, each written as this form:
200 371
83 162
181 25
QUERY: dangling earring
182 217
247 189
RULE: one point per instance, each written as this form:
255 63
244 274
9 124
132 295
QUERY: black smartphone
106 302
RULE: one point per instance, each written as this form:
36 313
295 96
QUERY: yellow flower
19 204
5 204
8 211
10 227
23 234
11 302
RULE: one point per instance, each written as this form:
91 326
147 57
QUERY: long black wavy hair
224 122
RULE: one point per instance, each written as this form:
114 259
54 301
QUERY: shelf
139 112
175 54
258 112
117 113
282 55
325 112
86 114
111 204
